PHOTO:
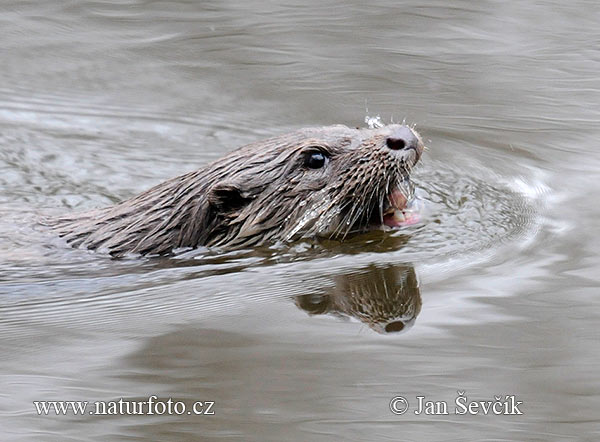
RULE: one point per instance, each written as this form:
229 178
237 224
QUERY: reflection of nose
402 138
394 327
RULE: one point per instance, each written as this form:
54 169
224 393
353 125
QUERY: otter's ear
227 197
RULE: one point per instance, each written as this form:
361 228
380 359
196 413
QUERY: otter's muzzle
403 138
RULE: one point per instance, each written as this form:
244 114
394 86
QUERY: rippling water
493 292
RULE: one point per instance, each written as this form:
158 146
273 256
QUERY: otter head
324 182
327 181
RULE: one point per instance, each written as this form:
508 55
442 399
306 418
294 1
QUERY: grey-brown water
493 293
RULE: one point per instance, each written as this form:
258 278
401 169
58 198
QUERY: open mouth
399 210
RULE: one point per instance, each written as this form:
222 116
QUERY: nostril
395 143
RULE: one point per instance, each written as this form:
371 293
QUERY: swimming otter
326 181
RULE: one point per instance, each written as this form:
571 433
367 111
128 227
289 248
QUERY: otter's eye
315 160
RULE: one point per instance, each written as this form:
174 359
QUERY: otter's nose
402 138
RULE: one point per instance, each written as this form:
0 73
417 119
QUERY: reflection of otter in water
386 299
325 182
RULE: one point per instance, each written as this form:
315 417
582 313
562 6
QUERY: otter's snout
404 138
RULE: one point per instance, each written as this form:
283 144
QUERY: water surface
493 293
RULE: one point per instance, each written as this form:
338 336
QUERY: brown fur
259 193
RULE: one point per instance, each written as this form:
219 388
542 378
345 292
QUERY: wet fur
259 193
